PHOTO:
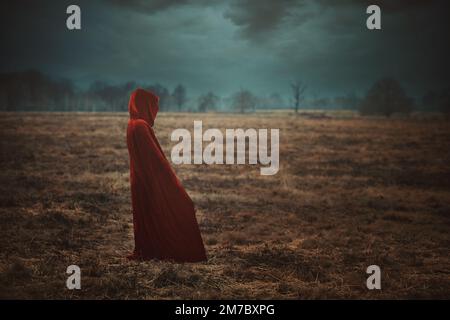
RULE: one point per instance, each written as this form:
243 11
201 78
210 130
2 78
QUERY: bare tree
164 95
298 89
386 97
179 94
207 102
244 101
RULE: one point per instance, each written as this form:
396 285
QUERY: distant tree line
34 91
386 97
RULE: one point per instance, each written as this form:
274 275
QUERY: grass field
351 192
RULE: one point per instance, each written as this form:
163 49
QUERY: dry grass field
351 192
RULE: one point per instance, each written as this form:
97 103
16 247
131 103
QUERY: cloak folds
165 226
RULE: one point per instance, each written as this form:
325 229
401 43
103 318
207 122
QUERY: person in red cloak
165 227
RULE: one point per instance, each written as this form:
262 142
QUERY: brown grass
350 193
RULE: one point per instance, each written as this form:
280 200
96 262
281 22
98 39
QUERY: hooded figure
164 220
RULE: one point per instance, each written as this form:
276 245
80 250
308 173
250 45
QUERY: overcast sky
223 45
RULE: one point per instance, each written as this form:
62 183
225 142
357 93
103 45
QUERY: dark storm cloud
326 43
154 6
260 16
148 6
387 5
226 45
254 17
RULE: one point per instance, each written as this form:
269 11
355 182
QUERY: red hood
143 105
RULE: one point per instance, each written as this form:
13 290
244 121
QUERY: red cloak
164 220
